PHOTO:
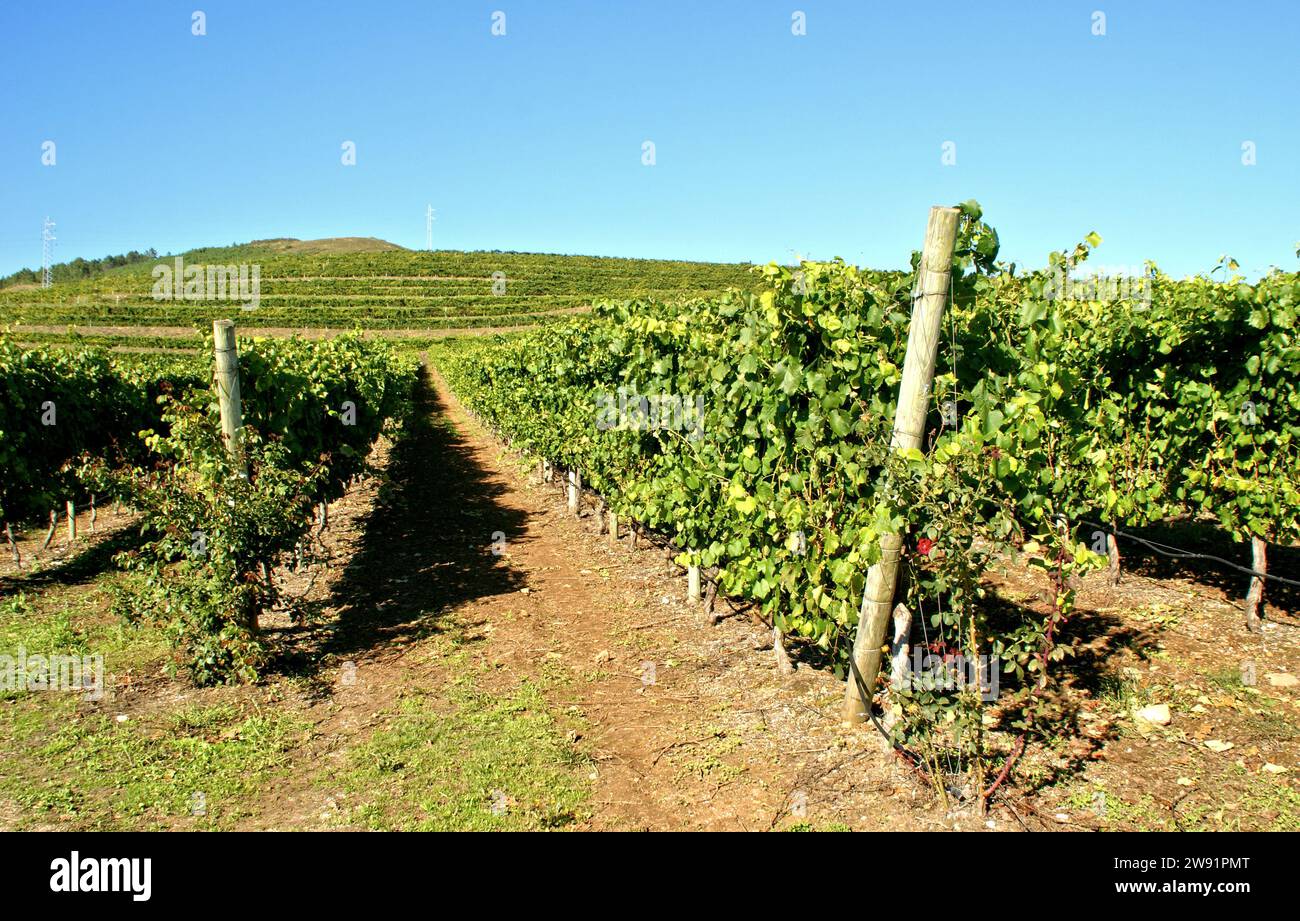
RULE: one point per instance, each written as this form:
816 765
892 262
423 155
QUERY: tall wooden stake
227 377
928 298
226 361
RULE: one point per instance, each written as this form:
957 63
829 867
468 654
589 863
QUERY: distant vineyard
393 289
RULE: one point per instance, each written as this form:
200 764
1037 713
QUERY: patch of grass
62 766
1238 801
710 750
1268 726
555 674
809 827
1227 679
77 623
1260 804
1275 804
22 624
1159 615
1123 691
194 769
1144 814
474 761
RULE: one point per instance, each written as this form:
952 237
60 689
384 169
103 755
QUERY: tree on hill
78 268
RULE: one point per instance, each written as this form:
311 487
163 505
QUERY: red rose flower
924 546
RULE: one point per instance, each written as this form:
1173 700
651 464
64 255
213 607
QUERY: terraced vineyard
333 285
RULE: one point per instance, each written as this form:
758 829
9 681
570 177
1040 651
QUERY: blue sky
767 144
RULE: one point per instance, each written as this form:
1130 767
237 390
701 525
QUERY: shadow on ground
76 569
426 546
1207 538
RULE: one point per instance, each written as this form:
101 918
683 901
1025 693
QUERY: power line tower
428 226
47 250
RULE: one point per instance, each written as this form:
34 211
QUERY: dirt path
691 725
686 725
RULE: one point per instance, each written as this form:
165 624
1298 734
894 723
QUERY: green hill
347 282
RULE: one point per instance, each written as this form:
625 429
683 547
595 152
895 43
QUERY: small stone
1184 781
603 656
525 591
1156 715
1215 745
1282 680
1271 768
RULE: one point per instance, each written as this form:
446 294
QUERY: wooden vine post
1255 596
226 360
693 583
575 493
928 298
227 378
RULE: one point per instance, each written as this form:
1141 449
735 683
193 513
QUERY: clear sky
767 143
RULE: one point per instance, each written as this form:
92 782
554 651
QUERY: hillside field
343 284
